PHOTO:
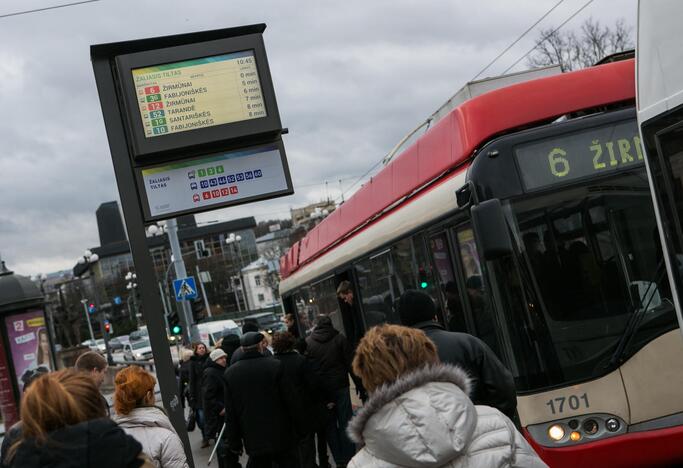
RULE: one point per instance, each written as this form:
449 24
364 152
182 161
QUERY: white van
211 332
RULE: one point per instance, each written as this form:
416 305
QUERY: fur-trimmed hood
425 418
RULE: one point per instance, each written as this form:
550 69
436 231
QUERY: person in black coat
197 364
68 428
262 409
184 370
230 344
213 393
492 383
239 352
333 354
315 401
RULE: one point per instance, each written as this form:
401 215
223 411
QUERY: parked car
211 332
140 334
95 345
116 343
266 321
139 350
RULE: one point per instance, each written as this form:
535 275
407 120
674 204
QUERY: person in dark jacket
230 344
64 425
333 354
184 370
213 392
262 409
492 383
237 355
198 362
308 386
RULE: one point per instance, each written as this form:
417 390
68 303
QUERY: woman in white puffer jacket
137 416
419 414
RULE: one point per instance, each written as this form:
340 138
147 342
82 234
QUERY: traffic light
107 326
91 308
174 325
177 330
423 279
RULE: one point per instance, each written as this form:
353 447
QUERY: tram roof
453 141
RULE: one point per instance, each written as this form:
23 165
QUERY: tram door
659 81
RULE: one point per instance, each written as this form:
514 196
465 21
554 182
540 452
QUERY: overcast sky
351 78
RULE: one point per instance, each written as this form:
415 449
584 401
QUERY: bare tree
573 51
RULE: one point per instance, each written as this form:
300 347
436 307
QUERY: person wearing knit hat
213 393
492 383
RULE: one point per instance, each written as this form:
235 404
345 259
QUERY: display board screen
29 344
218 179
576 155
204 92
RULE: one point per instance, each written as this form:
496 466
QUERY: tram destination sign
576 155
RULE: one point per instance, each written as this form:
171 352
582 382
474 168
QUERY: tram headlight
556 432
612 424
590 426
575 436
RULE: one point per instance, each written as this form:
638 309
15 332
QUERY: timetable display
198 93
217 179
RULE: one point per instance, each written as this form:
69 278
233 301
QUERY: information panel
199 93
217 179
576 155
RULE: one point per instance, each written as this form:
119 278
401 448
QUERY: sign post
193 125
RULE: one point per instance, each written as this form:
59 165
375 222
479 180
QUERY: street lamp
234 241
90 258
132 287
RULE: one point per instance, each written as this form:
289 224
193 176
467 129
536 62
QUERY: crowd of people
430 397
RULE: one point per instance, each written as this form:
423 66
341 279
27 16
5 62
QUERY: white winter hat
216 354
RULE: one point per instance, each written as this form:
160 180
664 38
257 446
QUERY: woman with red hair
136 414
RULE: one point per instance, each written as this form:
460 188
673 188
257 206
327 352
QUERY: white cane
215 447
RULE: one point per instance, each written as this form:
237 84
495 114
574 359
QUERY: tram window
306 310
377 293
590 260
324 295
454 317
426 278
477 296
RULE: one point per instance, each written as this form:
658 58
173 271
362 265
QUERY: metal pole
190 331
87 317
244 290
206 299
237 297
125 179
100 312
163 301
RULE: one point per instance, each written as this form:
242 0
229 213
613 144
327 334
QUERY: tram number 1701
558 405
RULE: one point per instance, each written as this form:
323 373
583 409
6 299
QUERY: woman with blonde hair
419 412
136 414
64 424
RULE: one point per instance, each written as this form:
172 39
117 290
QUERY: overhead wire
516 40
543 39
54 7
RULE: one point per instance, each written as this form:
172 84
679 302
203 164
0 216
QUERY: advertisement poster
8 404
29 344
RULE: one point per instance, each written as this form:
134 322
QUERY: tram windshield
587 261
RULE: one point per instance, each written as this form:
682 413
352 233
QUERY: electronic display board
200 94
182 96
212 181
577 155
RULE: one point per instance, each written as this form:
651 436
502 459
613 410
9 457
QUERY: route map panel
181 96
213 180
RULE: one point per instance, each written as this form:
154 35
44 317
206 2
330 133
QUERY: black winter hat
251 339
415 307
249 327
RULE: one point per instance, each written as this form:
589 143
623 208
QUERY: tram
660 117
525 212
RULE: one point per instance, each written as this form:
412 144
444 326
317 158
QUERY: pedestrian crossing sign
185 289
